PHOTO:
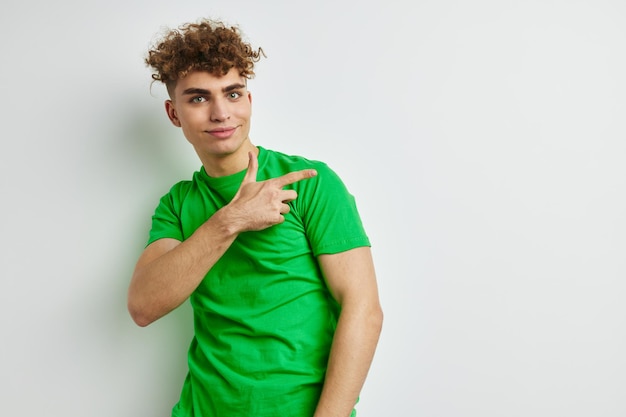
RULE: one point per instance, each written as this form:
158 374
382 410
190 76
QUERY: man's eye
198 99
234 95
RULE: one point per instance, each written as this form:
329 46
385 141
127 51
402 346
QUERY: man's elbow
138 314
376 318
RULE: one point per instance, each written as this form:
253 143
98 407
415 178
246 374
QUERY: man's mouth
222 132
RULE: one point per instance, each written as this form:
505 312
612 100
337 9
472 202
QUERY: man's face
213 112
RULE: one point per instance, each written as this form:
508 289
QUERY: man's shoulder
180 189
290 162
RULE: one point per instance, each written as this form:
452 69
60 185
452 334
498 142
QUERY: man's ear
171 113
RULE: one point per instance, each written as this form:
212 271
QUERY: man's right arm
168 270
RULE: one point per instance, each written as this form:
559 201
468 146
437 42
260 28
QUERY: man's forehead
207 80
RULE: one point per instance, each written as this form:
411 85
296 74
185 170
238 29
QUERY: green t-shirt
263 317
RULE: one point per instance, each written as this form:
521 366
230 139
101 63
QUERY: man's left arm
351 277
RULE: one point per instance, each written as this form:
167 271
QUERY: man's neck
223 165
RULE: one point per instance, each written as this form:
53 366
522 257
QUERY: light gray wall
484 141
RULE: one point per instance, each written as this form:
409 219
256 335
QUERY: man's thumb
253 167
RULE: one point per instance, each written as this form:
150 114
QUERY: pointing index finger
295 176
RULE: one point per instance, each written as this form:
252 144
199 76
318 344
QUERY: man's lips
222 132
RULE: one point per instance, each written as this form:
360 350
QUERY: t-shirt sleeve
330 215
166 219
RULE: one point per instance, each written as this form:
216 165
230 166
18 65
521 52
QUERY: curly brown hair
208 45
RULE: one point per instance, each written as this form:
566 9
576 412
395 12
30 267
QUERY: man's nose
219 111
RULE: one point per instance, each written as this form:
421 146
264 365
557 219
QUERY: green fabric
264 318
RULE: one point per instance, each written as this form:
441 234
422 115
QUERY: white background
484 141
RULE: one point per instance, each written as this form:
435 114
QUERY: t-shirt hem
153 239
342 246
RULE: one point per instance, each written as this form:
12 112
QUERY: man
268 247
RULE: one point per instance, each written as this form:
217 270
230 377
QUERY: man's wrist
226 221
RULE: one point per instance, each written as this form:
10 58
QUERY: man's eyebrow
203 92
200 91
233 87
